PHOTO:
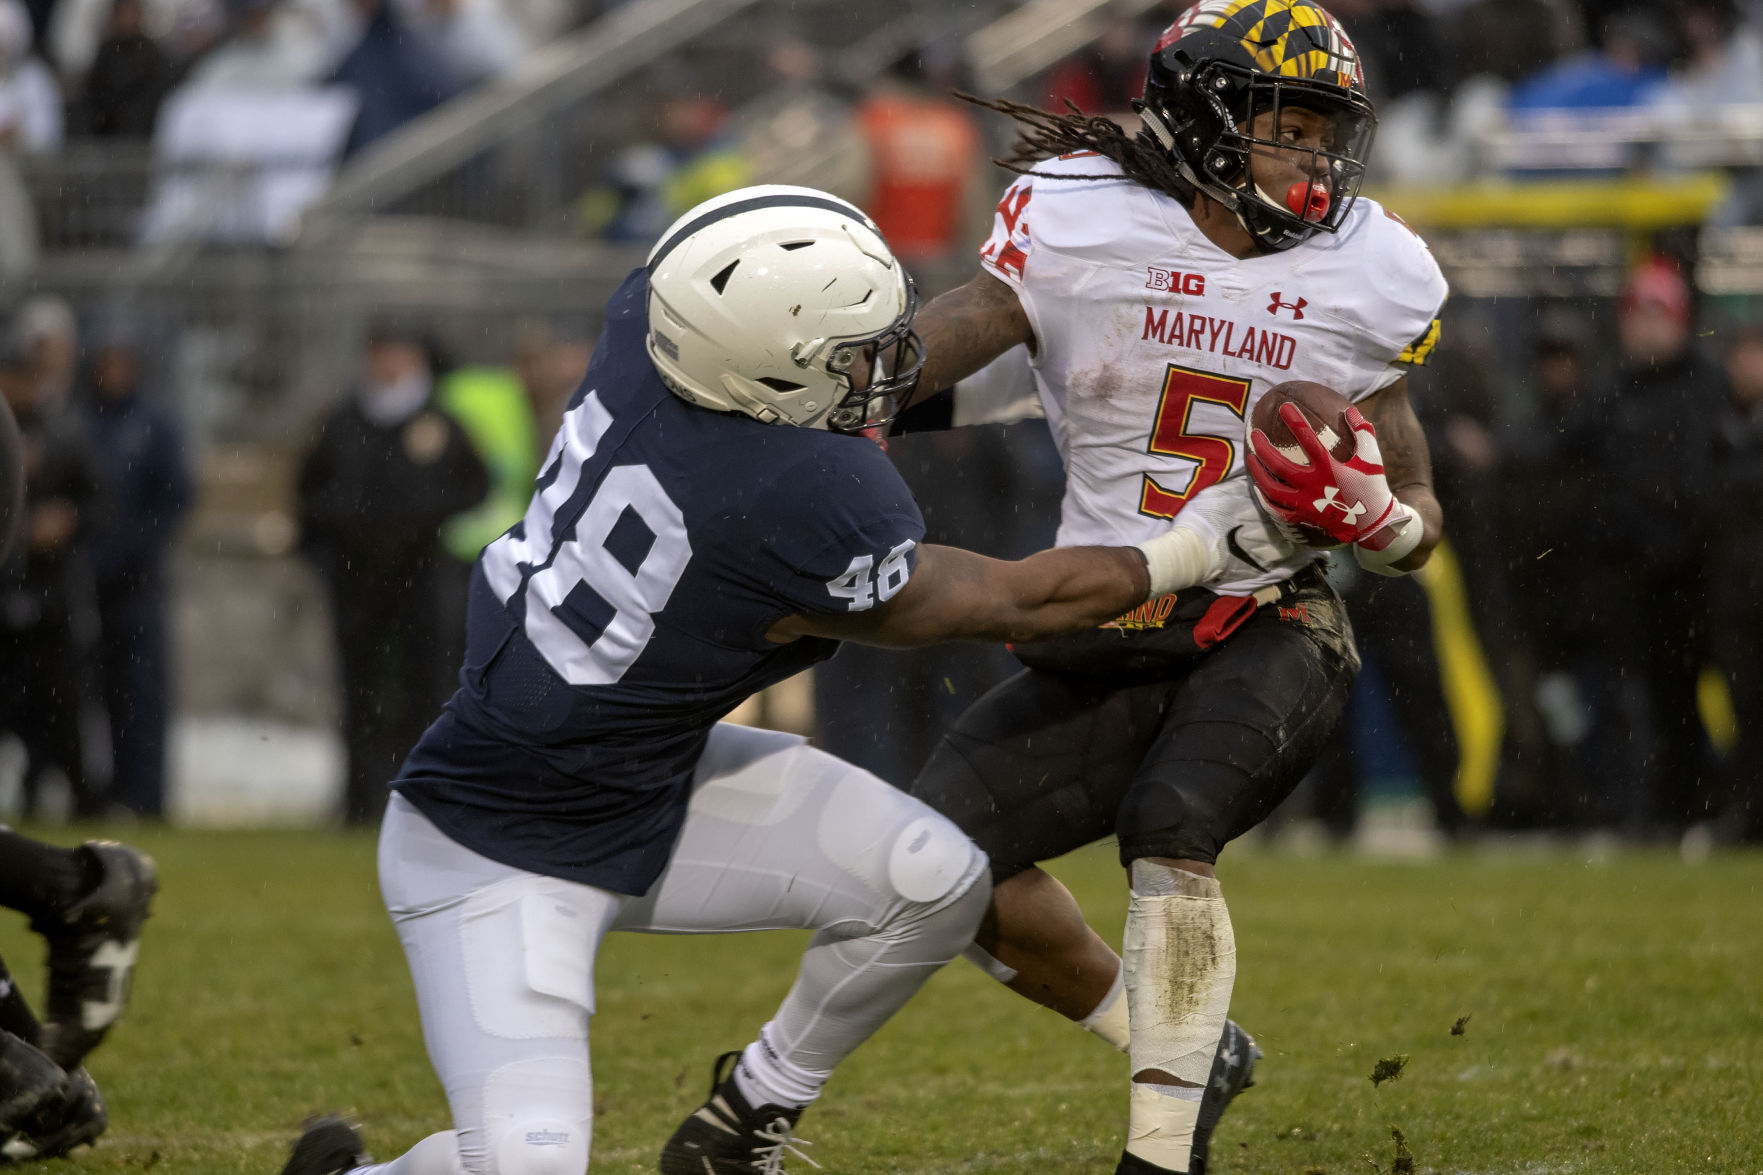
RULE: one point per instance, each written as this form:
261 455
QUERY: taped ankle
1108 1019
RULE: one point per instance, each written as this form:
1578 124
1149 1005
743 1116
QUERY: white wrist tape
1405 522
1179 558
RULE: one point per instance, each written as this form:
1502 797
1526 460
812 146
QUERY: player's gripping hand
1349 500
1197 548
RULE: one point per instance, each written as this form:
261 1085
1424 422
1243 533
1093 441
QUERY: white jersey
1153 344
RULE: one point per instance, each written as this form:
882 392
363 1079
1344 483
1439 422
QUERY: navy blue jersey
613 626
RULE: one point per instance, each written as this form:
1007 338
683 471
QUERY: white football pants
778 835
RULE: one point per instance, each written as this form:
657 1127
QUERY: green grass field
1615 1023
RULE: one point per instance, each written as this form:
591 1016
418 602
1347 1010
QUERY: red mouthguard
1308 201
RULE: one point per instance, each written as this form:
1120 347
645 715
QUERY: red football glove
1348 500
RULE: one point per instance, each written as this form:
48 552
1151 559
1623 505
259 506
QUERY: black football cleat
1233 1069
29 1083
92 951
76 1119
726 1136
328 1146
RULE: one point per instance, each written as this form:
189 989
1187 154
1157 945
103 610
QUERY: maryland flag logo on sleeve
1420 350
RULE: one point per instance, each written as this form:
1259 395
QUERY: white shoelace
768 1157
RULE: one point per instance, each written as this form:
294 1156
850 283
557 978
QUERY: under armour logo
1297 308
1332 497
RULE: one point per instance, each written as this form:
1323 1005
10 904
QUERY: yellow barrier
1561 204
1470 692
1477 711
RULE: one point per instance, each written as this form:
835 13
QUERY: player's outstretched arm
967 328
1407 465
958 595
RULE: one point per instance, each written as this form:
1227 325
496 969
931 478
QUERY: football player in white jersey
1162 283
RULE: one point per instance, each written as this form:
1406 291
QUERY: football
1325 409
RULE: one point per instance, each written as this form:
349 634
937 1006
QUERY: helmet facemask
895 357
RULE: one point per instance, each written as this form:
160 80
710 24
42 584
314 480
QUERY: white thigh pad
750 777
529 945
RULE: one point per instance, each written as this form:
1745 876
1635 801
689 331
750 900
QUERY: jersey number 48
568 575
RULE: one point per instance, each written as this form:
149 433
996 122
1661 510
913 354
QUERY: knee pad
900 849
1193 809
538 1114
543 1146
930 858
944 924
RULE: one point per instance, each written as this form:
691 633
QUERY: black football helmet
1225 62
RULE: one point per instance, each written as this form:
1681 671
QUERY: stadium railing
520 153
1028 40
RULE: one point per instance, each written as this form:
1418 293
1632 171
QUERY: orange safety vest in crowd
924 151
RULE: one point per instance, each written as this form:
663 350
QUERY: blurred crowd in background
1598 458
420 463
303 84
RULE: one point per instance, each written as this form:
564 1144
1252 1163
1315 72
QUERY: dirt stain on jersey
1104 382
1107 379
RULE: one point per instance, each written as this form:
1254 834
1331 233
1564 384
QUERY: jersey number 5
590 610
1172 435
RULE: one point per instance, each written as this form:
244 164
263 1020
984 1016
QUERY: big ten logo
1171 281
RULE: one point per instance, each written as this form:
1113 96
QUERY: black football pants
1048 762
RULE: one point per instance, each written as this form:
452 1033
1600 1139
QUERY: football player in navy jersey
705 525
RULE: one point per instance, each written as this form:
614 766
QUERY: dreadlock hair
1044 134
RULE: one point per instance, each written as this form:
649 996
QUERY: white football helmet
764 301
